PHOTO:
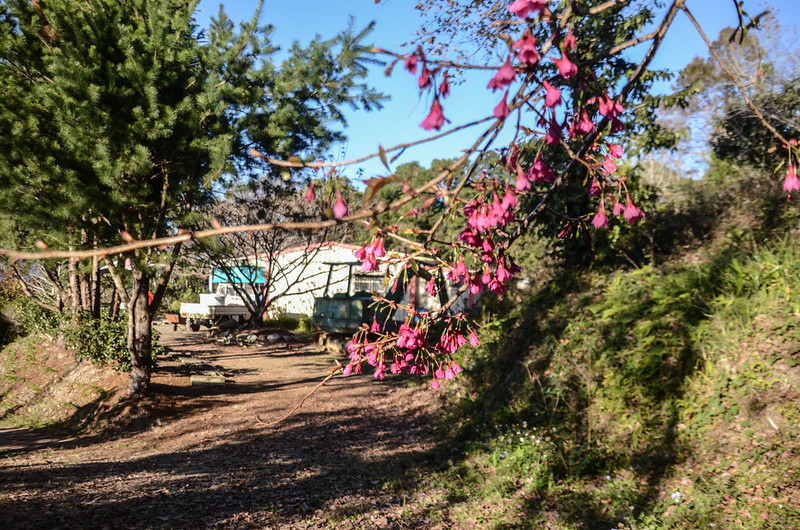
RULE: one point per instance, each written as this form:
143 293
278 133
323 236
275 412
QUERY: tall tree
123 123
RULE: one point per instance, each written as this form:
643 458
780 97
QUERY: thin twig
317 165
334 371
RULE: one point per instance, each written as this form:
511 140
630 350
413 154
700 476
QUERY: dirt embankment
196 456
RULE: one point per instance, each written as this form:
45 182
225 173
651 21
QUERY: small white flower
676 496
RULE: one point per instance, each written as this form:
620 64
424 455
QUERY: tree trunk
140 335
74 288
96 288
115 302
86 289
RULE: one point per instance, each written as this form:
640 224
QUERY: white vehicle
213 309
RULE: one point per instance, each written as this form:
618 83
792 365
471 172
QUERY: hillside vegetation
651 397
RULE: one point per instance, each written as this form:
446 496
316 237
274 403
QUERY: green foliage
740 136
304 325
621 398
126 117
34 318
185 289
301 324
104 341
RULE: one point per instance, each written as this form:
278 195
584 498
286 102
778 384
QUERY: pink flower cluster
609 166
480 260
435 118
791 182
411 352
368 255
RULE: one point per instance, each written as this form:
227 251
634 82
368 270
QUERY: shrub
34 318
282 322
104 341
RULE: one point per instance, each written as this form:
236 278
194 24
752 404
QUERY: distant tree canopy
740 136
767 65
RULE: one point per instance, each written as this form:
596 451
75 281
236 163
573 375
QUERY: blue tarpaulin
242 274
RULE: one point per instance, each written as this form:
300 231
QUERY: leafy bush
34 318
304 325
104 342
283 322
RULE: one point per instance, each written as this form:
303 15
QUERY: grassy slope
651 398
43 385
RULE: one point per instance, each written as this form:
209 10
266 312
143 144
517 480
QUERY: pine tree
119 119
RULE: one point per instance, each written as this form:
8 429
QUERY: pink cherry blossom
569 41
566 68
552 96
456 273
310 195
503 274
450 341
584 125
632 213
424 78
411 63
430 287
509 199
526 49
340 208
615 151
487 245
609 166
396 367
522 8
501 110
469 237
380 372
444 87
368 254
594 189
496 286
504 76
554 133
608 107
475 283
791 182
474 341
617 207
540 171
435 118
600 220
522 183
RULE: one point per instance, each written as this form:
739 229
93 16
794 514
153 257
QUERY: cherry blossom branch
669 17
165 242
399 147
437 62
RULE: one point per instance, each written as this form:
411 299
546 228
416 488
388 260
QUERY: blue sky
396 22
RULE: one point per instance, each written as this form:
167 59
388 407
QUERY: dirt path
194 456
